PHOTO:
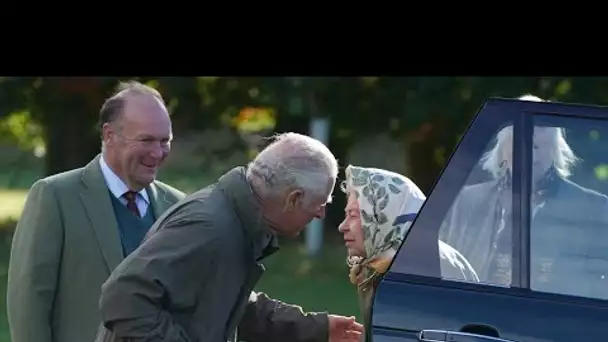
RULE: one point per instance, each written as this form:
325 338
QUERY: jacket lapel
158 199
98 205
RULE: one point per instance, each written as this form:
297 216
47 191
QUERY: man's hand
344 329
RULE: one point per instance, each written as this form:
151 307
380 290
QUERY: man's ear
293 199
107 132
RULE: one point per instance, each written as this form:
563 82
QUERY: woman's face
351 227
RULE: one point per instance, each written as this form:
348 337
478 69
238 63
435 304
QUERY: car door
523 199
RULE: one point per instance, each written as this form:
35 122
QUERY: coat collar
235 186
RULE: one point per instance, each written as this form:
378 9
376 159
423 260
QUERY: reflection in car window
569 208
478 224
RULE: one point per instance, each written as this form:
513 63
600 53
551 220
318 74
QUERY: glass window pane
422 253
475 237
569 208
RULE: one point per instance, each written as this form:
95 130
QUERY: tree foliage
428 113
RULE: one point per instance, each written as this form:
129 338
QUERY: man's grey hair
563 157
293 161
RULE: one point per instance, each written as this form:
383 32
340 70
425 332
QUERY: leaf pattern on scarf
395 190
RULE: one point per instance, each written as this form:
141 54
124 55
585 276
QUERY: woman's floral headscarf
388 203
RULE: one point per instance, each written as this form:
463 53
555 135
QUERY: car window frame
417 259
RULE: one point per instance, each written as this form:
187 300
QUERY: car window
476 234
569 207
547 188
445 242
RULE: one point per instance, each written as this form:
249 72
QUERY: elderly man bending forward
192 279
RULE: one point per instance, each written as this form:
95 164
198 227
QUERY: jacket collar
235 186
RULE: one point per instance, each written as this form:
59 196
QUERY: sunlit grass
11 204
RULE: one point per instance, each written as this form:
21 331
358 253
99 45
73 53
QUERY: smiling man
77 226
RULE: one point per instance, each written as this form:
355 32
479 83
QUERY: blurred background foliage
407 124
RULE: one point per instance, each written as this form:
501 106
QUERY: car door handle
455 336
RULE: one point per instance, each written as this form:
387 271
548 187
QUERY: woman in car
380 209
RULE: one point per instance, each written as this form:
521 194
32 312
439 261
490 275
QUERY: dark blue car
523 199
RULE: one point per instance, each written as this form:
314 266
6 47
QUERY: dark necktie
131 205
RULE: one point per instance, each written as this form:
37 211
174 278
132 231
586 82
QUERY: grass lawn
317 284
12 203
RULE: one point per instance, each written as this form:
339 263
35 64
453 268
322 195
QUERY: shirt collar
115 184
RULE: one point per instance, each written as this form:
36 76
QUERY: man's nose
157 152
342 227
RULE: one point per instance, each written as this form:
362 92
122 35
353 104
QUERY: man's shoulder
195 205
207 206
178 194
53 188
206 209
63 179
572 189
